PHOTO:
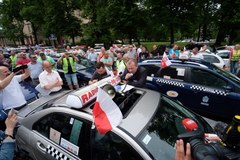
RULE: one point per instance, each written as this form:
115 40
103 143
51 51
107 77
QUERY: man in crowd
43 57
154 52
132 52
3 60
107 60
100 73
13 59
49 79
120 65
67 61
92 56
23 60
35 68
103 50
174 52
12 96
196 54
7 145
134 75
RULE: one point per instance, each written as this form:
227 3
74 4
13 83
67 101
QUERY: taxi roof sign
84 95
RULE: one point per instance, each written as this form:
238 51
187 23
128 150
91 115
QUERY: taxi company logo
205 100
172 93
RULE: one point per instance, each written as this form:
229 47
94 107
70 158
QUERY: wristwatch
7 135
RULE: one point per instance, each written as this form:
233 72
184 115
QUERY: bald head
4 72
47 66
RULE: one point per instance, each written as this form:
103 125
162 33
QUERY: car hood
88 72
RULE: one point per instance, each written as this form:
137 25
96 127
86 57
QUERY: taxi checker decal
170 82
56 154
214 91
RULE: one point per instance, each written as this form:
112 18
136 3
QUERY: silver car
50 129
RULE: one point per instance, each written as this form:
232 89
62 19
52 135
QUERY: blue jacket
7 147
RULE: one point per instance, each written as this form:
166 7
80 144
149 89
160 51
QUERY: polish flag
165 61
106 113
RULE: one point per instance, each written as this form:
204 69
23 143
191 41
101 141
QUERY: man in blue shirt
174 52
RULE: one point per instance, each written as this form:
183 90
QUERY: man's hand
212 137
180 153
93 81
10 122
58 83
128 75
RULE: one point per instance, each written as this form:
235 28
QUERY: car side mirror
228 88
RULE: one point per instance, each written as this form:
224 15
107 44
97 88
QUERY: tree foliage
109 20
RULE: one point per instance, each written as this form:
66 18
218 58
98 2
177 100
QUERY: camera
227 149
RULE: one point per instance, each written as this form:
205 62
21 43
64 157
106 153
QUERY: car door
170 81
60 136
211 94
113 146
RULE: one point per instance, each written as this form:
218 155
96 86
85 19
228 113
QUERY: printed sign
69 146
55 135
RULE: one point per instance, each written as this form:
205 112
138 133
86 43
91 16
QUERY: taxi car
198 85
50 128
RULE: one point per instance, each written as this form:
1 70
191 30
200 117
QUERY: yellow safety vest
65 65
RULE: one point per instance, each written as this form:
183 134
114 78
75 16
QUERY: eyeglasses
33 57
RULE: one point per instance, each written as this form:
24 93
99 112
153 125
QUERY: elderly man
134 75
23 60
12 96
49 79
196 54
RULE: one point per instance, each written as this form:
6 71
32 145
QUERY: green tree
60 20
11 21
32 12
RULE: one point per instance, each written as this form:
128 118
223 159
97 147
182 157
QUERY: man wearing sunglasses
35 68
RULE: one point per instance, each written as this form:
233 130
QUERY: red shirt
23 61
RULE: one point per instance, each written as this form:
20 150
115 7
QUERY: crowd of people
40 68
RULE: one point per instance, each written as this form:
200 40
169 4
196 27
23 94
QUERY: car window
83 63
111 146
175 73
211 59
224 54
151 69
159 136
205 78
66 131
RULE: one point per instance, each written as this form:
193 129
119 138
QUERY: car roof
222 51
194 62
137 115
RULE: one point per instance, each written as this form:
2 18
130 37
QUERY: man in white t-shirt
49 79
12 96
196 54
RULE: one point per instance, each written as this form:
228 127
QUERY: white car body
225 56
214 59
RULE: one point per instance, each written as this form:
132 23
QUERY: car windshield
232 77
83 63
159 136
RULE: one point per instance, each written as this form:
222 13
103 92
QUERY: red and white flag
106 113
165 61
